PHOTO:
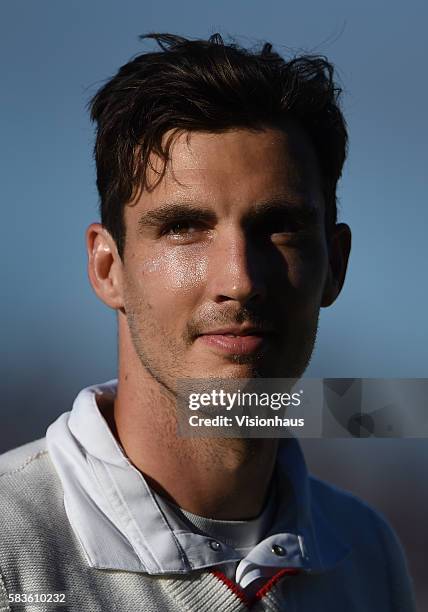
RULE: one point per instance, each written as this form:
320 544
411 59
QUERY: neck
220 478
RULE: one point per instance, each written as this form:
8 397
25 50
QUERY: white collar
120 526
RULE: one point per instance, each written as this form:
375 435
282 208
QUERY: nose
237 269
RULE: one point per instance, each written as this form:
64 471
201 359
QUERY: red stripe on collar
240 593
291 571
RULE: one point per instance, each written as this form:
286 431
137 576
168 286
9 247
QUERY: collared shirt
242 536
122 524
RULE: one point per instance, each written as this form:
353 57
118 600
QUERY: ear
104 266
339 249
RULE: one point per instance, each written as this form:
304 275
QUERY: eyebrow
175 211
304 214
178 211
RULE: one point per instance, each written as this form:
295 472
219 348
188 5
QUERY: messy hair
208 85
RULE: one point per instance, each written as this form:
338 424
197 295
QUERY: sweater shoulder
372 538
356 521
346 509
32 495
27 477
18 459
329 497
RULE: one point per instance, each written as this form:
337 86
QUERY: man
218 245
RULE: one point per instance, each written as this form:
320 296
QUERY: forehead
238 167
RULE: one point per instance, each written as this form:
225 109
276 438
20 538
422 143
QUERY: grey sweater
39 553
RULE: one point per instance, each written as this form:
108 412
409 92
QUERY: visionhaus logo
245 421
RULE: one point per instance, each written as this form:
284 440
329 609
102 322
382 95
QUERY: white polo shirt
122 524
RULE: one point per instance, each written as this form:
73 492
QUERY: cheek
178 273
307 272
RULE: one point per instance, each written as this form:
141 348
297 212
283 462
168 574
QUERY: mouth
238 341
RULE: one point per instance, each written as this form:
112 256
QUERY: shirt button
278 550
214 545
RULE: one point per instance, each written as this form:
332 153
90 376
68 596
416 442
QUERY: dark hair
211 86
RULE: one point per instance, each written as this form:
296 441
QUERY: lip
236 330
238 340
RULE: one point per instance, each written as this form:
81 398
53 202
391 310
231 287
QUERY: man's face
226 259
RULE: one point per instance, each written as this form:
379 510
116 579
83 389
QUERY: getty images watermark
306 407
237 401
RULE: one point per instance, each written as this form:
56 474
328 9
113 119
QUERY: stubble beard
155 363
211 451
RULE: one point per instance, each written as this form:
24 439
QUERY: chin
239 368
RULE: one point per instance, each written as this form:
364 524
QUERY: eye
184 230
180 227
